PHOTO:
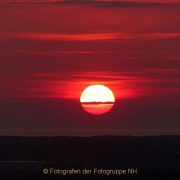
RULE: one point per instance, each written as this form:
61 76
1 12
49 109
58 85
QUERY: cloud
126 4
148 82
50 53
133 58
162 70
97 3
32 52
90 37
69 37
160 35
150 75
173 58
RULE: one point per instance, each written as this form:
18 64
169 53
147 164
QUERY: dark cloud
106 4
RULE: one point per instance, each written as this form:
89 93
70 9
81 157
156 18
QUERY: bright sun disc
97 93
97 99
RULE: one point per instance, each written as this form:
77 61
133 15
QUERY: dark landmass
149 157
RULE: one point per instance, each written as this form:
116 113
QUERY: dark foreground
101 157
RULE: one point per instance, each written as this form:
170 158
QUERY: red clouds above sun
49 49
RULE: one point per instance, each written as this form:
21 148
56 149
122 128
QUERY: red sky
58 48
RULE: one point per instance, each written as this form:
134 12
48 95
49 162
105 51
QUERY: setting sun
97 99
97 93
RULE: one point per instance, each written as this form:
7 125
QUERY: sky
50 51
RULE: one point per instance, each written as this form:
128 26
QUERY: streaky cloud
148 82
173 58
69 37
90 37
96 3
50 53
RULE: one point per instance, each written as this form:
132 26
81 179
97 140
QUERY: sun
97 93
97 99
